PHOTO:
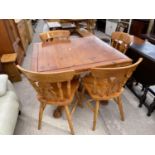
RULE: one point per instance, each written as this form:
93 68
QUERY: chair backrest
44 37
50 86
91 24
108 82
55 35
121 41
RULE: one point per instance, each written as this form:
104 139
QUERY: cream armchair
9 106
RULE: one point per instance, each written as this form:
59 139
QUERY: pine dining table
79 54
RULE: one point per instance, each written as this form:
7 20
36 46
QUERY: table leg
58 112
143 97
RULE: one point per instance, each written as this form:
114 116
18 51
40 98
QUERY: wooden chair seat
100 89
56 100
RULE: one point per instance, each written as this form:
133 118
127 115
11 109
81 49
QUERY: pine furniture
54 88
9 66
10 40
23 32
121 41
106 84
55 35
79 54
29 29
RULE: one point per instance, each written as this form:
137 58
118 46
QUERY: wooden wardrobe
9 39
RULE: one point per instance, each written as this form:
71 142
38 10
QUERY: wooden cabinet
23 32
139 27
9 39
29 29
9 66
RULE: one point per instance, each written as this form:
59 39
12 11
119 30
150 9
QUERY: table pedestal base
105 102
58 112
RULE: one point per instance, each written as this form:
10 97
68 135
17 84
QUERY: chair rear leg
120 107
69 120
95 114
42 106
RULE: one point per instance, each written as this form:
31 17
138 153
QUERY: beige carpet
136 121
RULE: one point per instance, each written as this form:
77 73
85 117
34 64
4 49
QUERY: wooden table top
79 54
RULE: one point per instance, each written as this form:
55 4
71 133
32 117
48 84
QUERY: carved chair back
121 41
55 35
108 82
51 87
91 24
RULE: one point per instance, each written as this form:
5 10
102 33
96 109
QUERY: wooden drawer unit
23 33
9 66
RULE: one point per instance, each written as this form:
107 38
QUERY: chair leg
120 106
42 106
69 119
95 114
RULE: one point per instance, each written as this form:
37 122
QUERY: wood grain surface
79 54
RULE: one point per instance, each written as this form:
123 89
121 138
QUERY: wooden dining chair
107 83
91 25
55 35
121 41
55 89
